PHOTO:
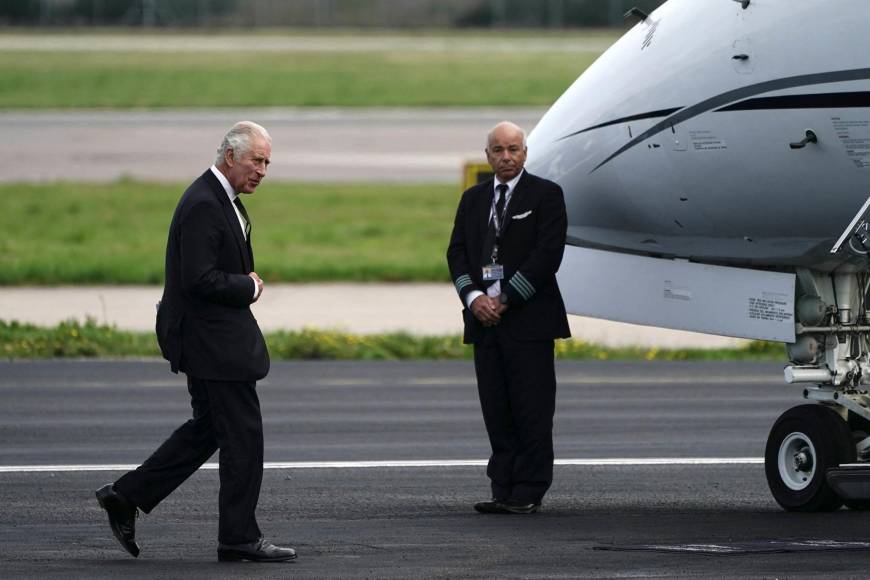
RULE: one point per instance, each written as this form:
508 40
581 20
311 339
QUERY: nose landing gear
812 451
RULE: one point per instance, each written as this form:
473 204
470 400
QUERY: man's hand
500 308
259 282
485 310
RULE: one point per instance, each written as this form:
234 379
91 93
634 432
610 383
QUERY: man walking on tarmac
206 330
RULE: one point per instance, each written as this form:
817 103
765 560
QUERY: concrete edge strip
626 462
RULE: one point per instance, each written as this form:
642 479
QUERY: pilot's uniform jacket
514 359
531 248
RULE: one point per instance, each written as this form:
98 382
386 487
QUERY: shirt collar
231 193
511 184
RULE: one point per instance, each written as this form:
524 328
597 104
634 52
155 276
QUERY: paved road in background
355 308
350 521
351 145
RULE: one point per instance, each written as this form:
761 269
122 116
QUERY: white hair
239 138
502 124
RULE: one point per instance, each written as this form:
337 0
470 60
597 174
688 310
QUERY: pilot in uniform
507 243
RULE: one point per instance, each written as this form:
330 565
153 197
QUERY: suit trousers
226 416
516 382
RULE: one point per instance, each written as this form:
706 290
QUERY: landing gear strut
818 456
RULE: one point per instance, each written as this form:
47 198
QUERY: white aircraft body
716 169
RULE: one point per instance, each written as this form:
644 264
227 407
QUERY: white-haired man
206 330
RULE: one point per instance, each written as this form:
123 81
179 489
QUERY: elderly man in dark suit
506 246
206 330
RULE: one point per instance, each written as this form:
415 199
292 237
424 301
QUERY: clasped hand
260 285
488 310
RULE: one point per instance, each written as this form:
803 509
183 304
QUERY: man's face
505 153
245 173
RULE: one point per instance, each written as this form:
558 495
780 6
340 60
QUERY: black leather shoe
259 551
492 506
516 507
122 517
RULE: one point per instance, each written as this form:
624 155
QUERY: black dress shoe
492 506
516 507
122 517
259 551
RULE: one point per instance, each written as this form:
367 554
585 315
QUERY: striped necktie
238 203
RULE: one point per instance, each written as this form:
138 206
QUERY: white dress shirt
494 289
231 193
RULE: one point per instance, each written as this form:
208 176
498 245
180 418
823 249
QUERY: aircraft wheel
803 444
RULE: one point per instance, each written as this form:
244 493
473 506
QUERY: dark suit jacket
205 327
531 250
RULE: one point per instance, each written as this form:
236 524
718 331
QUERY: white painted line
628 462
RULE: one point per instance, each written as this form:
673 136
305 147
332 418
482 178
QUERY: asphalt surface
414 522
335 145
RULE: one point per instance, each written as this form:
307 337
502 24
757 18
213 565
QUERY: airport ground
373 467
372 470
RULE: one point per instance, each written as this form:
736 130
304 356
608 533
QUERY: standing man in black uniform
507 244
206 330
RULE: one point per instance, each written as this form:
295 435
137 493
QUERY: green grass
71 339
30 80
115 233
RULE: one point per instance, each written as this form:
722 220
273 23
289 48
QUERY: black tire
860 428
820 434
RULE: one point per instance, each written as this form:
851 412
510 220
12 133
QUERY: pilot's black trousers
226 416
516 382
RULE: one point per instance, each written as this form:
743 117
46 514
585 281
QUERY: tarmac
419 309
371 471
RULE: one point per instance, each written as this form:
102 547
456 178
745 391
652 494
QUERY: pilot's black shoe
516 507
492 506
122 517
259 551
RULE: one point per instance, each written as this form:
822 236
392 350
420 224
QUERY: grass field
116 233
82 79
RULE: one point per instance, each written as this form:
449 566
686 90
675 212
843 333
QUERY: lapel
232 220
485 206
516 197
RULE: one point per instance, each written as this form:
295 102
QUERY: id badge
493 272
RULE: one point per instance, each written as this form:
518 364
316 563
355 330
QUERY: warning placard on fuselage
854 134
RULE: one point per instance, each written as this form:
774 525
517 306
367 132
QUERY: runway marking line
613 462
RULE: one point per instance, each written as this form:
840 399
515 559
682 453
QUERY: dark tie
489 240
499 205
238 203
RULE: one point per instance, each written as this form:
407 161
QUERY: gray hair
502 124
239 138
